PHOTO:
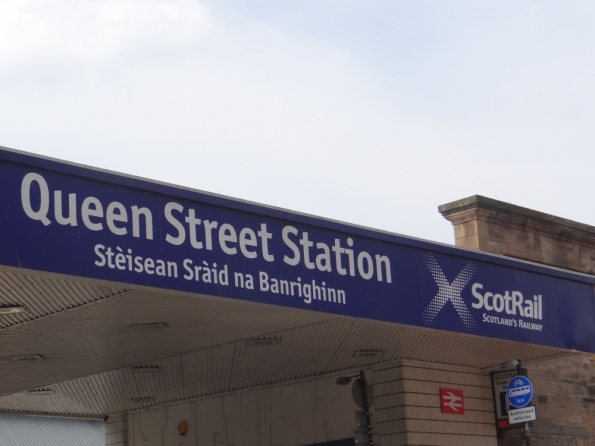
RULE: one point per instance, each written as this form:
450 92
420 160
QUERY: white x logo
449 292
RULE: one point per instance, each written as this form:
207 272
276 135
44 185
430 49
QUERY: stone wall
565 389
502 228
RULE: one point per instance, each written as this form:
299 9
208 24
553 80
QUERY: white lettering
187 263
227 234
477 295
264 281
510 302
112 217
179 239
296 252
92 208
248 238
136 213
323 260
368 271
71 219
383 260
307 244
99 253
44 198
265 237
192 223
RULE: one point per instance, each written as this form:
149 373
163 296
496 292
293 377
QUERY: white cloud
91 30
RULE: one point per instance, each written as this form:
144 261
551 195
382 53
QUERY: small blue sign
519 391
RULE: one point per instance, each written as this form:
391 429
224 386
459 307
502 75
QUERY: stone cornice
479 202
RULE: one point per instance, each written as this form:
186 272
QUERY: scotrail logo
449 292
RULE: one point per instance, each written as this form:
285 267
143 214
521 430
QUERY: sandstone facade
564 389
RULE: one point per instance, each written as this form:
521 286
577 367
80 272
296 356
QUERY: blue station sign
519 391
68 219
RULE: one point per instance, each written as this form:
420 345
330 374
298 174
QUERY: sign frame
499 385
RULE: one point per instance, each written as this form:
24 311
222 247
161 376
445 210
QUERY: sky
370 112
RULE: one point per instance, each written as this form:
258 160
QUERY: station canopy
119 293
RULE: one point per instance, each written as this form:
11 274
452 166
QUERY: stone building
565 389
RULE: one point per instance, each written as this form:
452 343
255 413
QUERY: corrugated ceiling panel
46 296
309 349
210 370
304 351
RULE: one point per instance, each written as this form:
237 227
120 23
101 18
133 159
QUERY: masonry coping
512 210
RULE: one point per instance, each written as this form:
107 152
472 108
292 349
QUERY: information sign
523 415
500 382
84 223
519 391
451 401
